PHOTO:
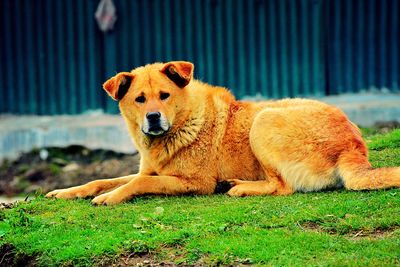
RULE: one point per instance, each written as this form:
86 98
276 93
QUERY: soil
376 233
9 257
53 167
386 126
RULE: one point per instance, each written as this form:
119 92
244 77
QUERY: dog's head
153 96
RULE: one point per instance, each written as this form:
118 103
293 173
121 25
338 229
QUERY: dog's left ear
180 72
118 85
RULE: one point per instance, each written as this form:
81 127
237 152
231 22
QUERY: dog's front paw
63 193
108 199
238 188
237 191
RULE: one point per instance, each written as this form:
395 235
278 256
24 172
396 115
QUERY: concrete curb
23 133
367 109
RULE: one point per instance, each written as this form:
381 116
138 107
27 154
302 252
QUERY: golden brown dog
191 136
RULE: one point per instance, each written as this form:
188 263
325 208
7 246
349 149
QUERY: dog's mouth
155 131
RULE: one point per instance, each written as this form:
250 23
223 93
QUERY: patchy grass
327 228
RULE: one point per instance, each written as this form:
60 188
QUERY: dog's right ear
118 85
180 72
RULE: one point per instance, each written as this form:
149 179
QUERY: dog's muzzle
155 124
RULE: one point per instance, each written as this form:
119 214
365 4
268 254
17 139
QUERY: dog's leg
161 185
274 185
93 188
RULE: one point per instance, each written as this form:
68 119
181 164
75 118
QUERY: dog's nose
153 116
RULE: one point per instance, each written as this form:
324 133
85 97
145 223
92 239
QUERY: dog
192 135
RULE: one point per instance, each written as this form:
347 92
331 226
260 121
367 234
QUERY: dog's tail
358 174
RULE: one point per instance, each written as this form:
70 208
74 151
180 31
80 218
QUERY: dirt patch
142 257
4 206
10 257
51 168
310 226
175 260
376 233
386 126
315 227
143 260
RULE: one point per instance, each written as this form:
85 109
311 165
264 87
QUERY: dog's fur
207 136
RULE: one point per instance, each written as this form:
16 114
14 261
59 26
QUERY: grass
324 229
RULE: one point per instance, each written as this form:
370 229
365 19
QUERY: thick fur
276 147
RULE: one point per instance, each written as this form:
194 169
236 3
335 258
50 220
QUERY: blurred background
55 55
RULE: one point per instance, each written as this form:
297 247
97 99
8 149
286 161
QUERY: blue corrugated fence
54 58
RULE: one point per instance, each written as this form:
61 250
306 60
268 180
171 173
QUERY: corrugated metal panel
363 45
50 64
54 58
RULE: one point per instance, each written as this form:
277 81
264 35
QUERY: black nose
153 116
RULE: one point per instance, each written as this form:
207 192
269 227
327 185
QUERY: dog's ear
180 72
118 85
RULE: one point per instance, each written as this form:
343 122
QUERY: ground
325 228
53 167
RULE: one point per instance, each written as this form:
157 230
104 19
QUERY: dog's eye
140 99
164 96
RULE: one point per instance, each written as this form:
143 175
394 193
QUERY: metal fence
54 58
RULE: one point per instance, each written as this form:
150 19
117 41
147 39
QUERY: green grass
324 229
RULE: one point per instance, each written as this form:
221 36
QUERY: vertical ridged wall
363 45
54 58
